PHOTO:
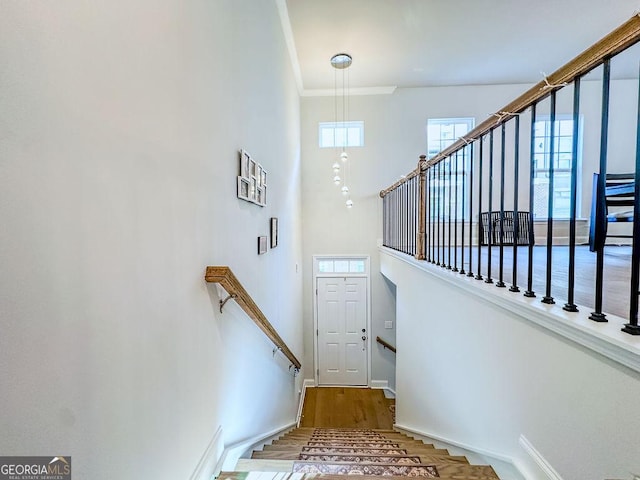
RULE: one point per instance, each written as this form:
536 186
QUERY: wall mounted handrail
615 42
225 277
386 344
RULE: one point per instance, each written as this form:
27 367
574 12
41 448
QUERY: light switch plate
388 324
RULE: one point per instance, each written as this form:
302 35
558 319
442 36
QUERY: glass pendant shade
336 179
349 203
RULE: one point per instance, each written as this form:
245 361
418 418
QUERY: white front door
342 334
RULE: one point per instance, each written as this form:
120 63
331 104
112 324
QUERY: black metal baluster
432 214
598 316
402 222
427 219
516 215
438 203
503 134
529 292
464 210
444 213
552 119
470 272
414 206
480 227
449 216
455 214
490 221
570 306
632 327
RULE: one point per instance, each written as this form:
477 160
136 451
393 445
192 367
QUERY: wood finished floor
616 273
339 407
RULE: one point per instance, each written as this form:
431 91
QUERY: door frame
317 274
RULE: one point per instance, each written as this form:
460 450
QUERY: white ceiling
415 43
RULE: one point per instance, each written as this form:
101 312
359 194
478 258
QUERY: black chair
619 191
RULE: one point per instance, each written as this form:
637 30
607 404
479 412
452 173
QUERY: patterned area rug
365 469
390 459
356 450
364 444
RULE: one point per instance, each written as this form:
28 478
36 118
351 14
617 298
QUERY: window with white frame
441 133
562 159
341 134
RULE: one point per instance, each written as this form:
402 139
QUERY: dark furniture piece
618 191
490 225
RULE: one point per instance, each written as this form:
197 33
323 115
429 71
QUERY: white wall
475 373
120 124
395 136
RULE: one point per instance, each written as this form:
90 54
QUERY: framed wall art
252 180
274 232
262 245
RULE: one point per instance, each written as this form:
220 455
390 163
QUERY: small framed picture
252 168
243 188
259 196
259 175
245 160
274 232
262 245
263 180
252 190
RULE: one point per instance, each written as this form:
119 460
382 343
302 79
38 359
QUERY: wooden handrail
225 277
386 344
615 42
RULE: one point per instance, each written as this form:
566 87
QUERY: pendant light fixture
341 62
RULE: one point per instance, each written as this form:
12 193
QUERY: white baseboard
473 448
232 453
307 382
545 466
213 453
383 385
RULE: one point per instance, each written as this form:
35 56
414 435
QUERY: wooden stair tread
369 453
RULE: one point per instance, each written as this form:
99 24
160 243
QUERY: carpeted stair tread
297 455
377 469
333 449
356 450
293 476
405 440
338 444
301 476
360 458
